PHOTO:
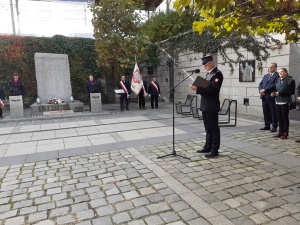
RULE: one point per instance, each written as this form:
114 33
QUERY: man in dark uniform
16 87
2 98
142 94
266 87
210 106
154 92
91 86
125 86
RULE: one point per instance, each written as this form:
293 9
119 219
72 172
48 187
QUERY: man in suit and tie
266 87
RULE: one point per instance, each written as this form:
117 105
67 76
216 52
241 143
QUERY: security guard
16 87
210 106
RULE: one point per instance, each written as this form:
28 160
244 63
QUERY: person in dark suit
210 106
154 92
142 94
125 86
266 87
2 97
16 87
91 86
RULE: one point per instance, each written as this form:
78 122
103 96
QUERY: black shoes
273 129
265 128
203 151
211 154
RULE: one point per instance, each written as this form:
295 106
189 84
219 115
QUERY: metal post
12 18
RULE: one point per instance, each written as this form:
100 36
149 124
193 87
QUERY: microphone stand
172 91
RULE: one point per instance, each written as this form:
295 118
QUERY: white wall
231 87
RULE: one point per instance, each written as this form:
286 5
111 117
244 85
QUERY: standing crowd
277 90
153 90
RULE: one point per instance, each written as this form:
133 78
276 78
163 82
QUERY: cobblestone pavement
255 180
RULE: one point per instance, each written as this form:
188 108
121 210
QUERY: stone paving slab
126 183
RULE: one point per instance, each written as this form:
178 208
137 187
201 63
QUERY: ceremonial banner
136 82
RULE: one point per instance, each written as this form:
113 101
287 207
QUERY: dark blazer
210 95
127 86
145 86
91 87
285 88
16 88
268 85
152 90
2 94
298 90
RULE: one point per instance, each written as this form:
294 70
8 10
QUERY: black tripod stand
172 91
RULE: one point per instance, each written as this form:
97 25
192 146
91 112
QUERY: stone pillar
16 107
96 103
53 76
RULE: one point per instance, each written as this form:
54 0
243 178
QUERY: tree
254 17
118 38
167 24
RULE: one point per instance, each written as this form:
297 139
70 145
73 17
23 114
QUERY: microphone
194 71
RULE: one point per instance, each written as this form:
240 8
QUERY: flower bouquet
55 101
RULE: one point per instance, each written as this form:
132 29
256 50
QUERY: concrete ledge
38 109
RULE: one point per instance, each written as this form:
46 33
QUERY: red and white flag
136 81
1 104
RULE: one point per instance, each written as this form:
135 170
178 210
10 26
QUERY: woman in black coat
284 89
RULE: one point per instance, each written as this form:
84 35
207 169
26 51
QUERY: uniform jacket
285 88
268 85
210 95
298 90
2 94
16 88
152 90
145 88
92 87
127 85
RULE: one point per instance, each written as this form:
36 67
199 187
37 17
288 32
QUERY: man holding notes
210 105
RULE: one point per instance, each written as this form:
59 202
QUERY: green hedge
17 55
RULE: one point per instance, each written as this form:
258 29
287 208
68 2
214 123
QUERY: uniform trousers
210 120
123 97
283 118
154 99
141 100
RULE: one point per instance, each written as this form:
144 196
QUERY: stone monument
16 106
53 81
96 104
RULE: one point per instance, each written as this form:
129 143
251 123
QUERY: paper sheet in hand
201 82
119 91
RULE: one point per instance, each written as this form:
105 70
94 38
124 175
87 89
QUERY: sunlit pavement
103 169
